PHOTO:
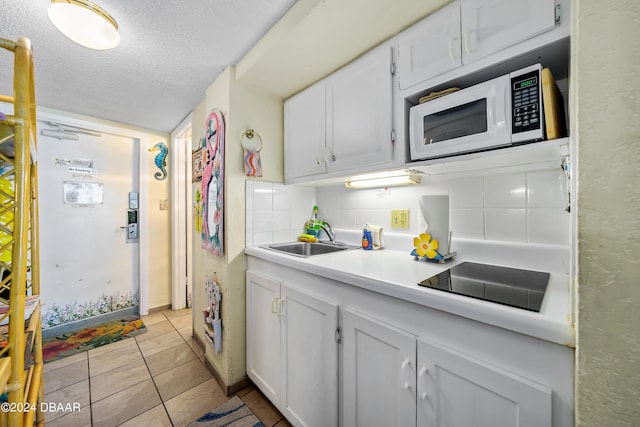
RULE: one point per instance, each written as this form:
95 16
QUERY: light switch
400 218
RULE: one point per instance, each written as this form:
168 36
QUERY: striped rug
232 413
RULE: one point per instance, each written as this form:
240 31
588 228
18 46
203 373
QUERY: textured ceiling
169 53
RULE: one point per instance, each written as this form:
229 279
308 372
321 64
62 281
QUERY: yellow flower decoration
425 246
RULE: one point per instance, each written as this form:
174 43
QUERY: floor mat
232 413
71 343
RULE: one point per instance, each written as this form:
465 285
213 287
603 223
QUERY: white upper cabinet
467 31
360 112
430 48
342 122
304 133
491 25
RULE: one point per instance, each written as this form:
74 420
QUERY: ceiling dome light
85 23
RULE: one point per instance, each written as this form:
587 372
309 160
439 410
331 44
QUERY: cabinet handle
403 369
281 308
321 157
422 395
467 36
274 305
452 45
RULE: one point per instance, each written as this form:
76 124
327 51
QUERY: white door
379 373
87 265
491 25
263 334
309 359
455 390
360 112
431 48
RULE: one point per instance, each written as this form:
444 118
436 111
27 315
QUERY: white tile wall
525 207
275 212
517 207
350 209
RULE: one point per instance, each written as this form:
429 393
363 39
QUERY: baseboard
90 321
159 309
227 389
201 343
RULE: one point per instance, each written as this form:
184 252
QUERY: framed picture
197 165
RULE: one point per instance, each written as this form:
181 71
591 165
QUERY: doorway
88 255
181 217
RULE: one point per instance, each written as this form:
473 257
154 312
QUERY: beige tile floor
155 379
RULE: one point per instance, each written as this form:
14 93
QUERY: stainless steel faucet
331 233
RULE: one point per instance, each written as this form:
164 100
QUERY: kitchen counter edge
396 274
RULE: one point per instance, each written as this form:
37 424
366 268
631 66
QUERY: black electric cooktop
503 285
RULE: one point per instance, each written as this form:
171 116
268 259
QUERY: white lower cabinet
379 376
397 363
292 351
391 377
457 390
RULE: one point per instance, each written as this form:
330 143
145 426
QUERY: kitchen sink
306 249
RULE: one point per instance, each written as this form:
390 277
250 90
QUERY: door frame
144 142
181 218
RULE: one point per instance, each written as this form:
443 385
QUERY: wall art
160 160
213 183
197 165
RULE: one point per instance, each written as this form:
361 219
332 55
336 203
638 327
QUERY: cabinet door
378 374
430 48
360 112
304 133
455 390
491 25
309 359
263 334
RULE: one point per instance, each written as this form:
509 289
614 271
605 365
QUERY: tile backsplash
522 207
527 207
276 212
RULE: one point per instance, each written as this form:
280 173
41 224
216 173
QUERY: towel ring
251 140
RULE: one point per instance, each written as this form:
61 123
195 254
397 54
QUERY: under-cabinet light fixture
382 180
60 134
85 23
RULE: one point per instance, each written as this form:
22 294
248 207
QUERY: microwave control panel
526 105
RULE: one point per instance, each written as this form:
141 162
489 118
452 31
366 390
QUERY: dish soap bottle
312 226
367 241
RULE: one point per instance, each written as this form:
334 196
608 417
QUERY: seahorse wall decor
161 160
212 183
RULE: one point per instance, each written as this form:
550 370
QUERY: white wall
606 50
245 107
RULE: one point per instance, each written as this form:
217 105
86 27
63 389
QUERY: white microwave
500 112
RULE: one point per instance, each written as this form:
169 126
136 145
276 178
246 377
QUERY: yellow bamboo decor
21 388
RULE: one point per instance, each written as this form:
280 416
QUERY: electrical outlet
400 218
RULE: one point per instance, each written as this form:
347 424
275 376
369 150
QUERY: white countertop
396 274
